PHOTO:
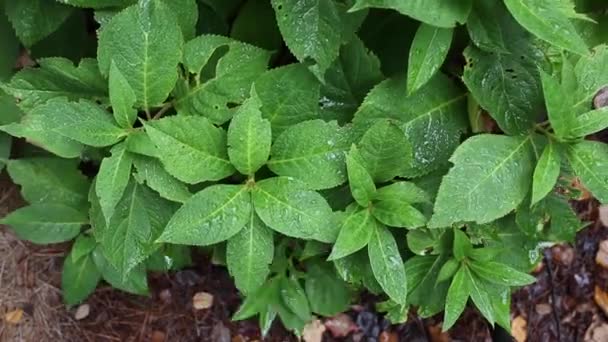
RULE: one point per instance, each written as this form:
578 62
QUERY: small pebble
82 312
202 301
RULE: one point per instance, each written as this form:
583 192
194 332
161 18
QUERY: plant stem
163 110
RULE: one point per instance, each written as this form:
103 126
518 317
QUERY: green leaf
589 161
590 122
299 100
287 206
356 229
249 138
10 46
83 246
139 142
456 301
387 264
57 77
480 297
507 85
210 216
98 3
191 148
312 152
249 253
546 173
328 295
436 112
50 180
462 245
448 270
360 181
136 282
145 43
385 150
311 29
138 220
152 172
441 13
491 35
500 274
79 278
258 301
469 192
82 121
186 13
225 69
45 223
122 98
294 298
113 178
395 213
256 24
34 20
404 192
550 21
429 50
348 80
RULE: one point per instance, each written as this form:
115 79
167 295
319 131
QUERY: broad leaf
507 85
152 172
210 216
501 274
480 297
328 295
34 20
79 278
385 151
313 152
82 121
462 247
395 213
404 192
489 188
493 34
287 206
113 178
387 264
299 100
45 223
348 80
186 12
294 300
429 50
546 173
10 47
432 119
550 21
441 13
361 184
136 282
225 69
249 253
249 138
456 301
590 122
356 229
50 180
191 148
138 220
139 142
589 159
57 77
145 42
122 98
98 3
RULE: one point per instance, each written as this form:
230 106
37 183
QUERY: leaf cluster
303 147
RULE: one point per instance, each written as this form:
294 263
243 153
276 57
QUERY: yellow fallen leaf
202 300
519 329
14 317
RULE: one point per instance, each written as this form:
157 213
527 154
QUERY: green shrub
421 150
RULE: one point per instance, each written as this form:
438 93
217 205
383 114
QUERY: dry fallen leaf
601 258
158 336
597 332
519 329
14 317
601 299
202 301
340 325
604 215
543 309
437 334
313 331
388 337
82 312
